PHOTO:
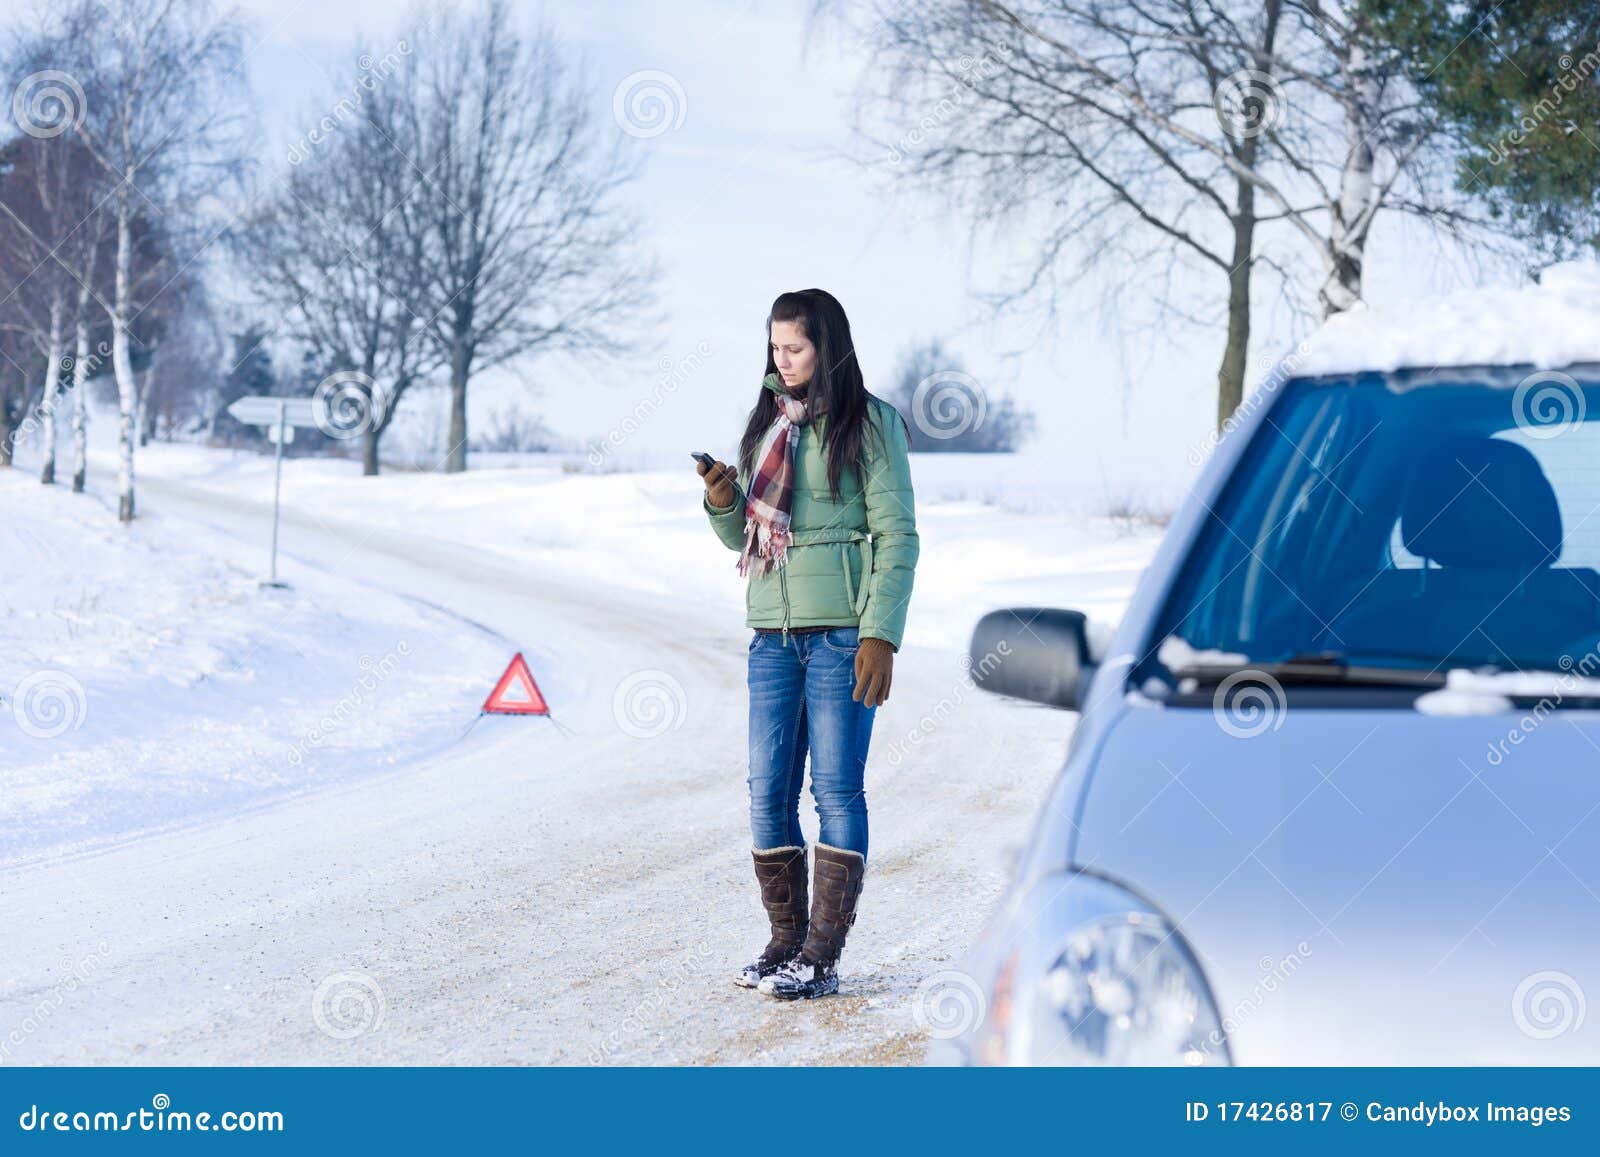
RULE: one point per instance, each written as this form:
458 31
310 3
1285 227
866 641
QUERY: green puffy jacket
850 562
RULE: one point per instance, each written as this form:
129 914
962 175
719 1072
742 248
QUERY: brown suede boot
840 874
781 872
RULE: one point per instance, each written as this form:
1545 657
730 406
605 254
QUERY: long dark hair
837 394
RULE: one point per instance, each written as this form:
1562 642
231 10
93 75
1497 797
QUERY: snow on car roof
1549 325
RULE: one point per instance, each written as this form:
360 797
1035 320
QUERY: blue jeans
800 699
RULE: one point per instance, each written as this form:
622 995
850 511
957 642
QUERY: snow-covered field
150 680
268 826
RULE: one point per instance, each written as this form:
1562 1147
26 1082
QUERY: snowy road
519 898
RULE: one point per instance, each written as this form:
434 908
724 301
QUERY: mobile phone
702 456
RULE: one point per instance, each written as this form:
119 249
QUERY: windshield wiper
1323 667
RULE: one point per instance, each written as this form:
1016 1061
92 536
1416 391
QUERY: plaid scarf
770 494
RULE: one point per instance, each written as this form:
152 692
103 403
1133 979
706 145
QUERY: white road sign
280 416
261 411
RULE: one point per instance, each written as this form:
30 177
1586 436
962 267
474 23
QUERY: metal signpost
279 416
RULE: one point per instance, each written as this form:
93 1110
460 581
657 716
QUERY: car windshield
1422 520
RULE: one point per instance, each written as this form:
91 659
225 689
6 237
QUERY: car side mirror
1040 654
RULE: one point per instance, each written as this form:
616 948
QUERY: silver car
1335 794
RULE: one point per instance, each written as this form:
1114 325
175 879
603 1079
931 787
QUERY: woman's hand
874 671
719 478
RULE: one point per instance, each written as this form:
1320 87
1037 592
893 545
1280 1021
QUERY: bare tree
527 251
50 231
338 254
1143 136
34 223
159 123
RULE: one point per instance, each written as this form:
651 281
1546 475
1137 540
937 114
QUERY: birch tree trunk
80 401
122 360
1351 218
47 406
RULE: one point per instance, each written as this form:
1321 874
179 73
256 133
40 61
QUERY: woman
821 513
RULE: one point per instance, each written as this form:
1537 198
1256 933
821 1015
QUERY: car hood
1368 886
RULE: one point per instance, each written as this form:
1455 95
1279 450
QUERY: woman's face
793 353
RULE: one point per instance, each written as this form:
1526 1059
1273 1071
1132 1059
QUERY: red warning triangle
516 693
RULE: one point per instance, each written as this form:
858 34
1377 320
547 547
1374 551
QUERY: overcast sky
747 197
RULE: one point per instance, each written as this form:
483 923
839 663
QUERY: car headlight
1096 976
